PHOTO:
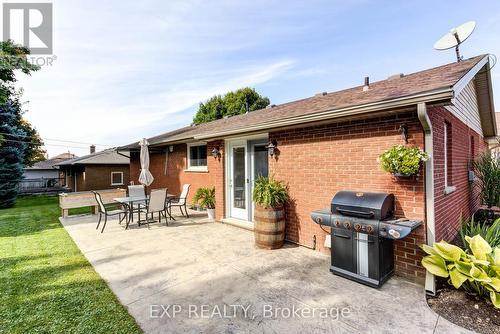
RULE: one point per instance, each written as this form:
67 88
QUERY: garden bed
466 310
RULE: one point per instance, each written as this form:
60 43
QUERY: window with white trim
116 178
197 156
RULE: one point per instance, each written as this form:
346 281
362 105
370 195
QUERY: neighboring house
99 170
331 141
43 176
46 169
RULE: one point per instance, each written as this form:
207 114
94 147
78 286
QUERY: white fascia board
462 83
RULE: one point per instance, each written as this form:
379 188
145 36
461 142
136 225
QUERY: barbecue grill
363 230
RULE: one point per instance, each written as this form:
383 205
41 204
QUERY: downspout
430 282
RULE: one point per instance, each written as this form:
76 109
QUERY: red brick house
96 171
331 141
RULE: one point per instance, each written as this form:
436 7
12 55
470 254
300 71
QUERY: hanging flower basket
403 161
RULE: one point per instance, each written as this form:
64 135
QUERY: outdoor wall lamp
403 130
272 147
171 148
215 152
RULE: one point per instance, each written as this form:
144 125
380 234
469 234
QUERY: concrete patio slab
217 281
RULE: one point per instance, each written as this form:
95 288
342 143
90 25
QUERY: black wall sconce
403 130
272 148
215 152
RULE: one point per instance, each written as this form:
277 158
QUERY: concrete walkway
196 276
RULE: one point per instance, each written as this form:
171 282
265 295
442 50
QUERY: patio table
129 201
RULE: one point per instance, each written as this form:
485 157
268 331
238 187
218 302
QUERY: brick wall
176 174
465 143
99 176
318 161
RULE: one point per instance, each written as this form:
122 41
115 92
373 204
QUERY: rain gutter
431 96
430 282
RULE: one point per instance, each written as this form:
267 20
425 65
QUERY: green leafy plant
270 193
403 160
477 273
487 170
205 198
490 233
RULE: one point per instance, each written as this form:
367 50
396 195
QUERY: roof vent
322 94
367 84
395 76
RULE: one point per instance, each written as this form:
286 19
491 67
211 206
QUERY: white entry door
238 179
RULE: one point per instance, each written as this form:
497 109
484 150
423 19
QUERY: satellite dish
455 37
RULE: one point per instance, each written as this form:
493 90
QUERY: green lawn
46 284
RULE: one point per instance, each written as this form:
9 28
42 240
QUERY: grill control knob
369 228
357 227
347 224
337 223
319 220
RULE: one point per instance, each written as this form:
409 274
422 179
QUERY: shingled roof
431 80
105 157
50 163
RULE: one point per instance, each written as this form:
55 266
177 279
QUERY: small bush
270 193
477 273
402 159
490 233
205 198
487 171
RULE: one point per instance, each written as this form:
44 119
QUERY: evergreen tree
233 103
14 139
11 153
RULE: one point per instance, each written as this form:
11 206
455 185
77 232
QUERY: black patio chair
103 211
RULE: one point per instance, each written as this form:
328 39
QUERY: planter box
86 198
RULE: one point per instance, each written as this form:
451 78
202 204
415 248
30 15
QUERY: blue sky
129 69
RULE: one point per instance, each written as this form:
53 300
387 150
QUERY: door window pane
239 178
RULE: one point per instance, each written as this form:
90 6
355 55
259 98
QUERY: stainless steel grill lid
363 204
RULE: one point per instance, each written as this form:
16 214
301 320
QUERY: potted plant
270 197
403 161
205 198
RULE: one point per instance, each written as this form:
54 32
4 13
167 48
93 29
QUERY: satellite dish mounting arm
457 49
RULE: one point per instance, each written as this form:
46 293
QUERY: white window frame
116 184
448 188
188 160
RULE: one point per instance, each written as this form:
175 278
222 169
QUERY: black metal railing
40 185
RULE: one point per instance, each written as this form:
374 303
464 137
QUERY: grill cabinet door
342 250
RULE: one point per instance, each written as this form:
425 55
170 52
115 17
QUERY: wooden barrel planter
269 227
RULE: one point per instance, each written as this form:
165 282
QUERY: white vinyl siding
465 108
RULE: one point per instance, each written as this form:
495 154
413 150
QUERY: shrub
477 273
205 197
270 193
487 170
490 233
402 159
